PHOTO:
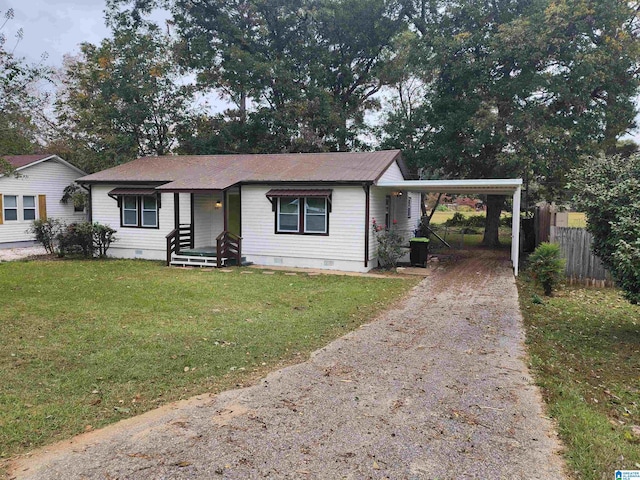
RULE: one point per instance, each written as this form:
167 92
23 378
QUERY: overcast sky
56 27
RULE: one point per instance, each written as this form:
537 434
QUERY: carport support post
515 231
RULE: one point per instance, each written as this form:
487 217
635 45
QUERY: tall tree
123 98
308 69
523 87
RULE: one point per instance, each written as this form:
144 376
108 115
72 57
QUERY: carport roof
491 186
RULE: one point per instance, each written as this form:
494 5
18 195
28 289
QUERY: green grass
576 219
584 346
87 343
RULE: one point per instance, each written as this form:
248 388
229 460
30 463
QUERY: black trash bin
419 251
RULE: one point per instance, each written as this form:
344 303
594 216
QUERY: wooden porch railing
179 238
229 245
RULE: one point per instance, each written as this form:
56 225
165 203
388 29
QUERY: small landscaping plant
546 266
46 232
86 238
390 242
89 239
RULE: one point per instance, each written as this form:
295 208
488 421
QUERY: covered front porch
207 228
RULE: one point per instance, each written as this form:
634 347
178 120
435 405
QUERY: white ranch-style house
34 192
311 210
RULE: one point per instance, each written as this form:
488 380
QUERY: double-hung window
10 208
139 211
29 207
302 215
149 212
129 211
288 215
315 215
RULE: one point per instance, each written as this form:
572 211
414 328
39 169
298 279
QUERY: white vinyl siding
149 243
343 247
47 178
392 174
208 220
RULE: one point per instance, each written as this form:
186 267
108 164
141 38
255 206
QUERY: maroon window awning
117 192
289 192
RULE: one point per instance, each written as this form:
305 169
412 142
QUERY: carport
508 186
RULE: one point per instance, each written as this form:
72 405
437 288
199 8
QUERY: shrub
546 266
607 189
103 236
458 220
389 245
46 232
89 239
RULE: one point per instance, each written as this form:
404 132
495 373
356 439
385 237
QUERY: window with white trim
139 211
302 215
10 203
315 215
288 214
29 207
409 206
129 211
149 211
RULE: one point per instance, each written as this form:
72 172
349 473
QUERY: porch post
176 210
515 231
225 210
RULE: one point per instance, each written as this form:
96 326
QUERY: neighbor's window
10 208
315 215
408 207
313 219
129 211
139 211
29 207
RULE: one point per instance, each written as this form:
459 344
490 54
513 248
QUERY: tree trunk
494 208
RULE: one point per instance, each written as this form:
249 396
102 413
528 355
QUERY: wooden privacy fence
582 265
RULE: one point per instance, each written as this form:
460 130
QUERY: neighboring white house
295 210
35 192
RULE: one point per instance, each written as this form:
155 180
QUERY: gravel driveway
436 388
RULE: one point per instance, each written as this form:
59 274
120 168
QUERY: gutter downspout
367 197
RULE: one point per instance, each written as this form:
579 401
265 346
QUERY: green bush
607 189
546 266
459 220
86 238
46 232
389 245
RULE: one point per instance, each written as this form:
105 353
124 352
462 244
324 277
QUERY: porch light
397 194
218 204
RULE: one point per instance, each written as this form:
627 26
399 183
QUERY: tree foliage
302 74
608 190
518 88
20 97
122 98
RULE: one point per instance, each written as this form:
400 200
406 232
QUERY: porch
210 236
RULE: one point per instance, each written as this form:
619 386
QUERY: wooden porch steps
182 260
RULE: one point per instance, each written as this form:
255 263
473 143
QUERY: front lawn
87 343
584 345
